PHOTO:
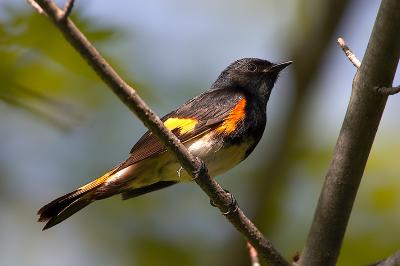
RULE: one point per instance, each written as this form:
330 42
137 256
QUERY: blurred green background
60 127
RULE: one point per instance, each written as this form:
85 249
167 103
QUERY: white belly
165 167
218 159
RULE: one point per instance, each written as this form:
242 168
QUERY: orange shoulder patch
237 114
185 125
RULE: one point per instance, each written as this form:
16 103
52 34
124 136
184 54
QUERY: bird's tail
63 207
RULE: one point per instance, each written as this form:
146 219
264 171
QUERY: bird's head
252 75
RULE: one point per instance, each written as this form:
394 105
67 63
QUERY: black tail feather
63 207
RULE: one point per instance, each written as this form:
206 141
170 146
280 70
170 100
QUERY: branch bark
193 165
355 139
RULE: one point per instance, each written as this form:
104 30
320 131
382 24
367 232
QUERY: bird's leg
233 205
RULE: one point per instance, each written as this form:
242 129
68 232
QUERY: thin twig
191 164
35 6
68 8
393 260
253 255
354 60
350 55
388 90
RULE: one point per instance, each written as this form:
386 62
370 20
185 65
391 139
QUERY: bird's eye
251 67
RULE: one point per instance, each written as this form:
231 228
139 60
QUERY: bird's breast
218 155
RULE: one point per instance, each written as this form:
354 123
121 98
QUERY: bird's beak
276 68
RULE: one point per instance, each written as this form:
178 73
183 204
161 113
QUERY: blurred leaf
40 70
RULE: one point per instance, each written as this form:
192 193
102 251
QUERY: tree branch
68 8
355 139
191 164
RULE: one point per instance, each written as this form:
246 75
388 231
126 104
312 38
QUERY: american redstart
222 126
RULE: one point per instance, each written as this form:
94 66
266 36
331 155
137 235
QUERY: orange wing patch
237 114
185 125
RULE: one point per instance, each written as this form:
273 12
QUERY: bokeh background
60 127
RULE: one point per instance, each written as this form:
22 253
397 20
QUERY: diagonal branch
35 6
355 140
193 165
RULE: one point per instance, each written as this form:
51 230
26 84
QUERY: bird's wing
190 120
